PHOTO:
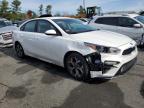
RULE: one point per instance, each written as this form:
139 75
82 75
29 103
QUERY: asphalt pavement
31 83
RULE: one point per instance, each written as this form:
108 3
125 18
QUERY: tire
19 50
77 67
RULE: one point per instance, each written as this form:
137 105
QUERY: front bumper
102 66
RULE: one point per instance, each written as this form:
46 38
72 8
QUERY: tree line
12 11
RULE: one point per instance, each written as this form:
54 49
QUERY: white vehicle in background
84 51
6 29
131 25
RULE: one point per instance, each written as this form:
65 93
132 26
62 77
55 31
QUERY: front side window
126 22
73 26
29 27
43 26
108 21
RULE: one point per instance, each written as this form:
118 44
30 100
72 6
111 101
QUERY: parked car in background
131 25
84 51
4 22
6 28
18 23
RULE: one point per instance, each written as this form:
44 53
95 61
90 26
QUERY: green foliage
41 9
48 9
4 8
14 12
16 6
81 10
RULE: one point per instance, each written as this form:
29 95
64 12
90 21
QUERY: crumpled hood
102 37
7 29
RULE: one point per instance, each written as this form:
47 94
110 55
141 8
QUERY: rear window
108 21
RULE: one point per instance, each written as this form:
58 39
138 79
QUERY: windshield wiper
72 32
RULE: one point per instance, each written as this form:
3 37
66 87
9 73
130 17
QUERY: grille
7 36
126 67
128 51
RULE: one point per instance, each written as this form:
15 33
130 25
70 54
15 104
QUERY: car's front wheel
19 50
77 66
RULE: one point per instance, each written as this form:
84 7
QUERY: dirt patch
16 92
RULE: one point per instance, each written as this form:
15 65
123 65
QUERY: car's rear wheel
77 66
19 50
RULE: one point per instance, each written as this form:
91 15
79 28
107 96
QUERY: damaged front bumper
109 67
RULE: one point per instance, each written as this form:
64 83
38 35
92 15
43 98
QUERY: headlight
103 49
114 50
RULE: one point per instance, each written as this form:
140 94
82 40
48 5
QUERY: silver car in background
6 28
131 25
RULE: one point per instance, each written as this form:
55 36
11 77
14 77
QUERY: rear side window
126 22
29 27
108 21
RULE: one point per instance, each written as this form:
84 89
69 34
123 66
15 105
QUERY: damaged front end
97 67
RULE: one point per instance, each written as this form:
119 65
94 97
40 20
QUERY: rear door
27 34
126 27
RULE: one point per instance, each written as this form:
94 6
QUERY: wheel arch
68 53
16 42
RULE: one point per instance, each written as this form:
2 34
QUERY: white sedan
84 51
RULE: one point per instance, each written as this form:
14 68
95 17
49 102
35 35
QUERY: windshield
73 26
140 18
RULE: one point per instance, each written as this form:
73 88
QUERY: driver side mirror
50 32
137 25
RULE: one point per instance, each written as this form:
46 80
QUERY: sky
70 6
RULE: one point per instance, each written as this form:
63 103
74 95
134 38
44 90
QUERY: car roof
118 15
51 18
133 15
